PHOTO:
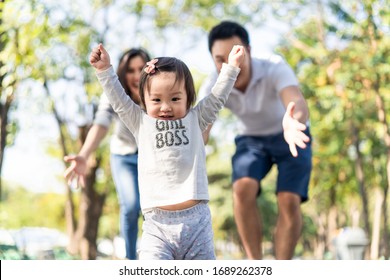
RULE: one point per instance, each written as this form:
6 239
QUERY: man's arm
294 94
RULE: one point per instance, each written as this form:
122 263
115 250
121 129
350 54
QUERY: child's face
166 99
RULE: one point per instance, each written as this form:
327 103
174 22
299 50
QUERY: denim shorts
178 235
255 155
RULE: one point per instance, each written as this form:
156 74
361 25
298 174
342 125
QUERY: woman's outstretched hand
77 170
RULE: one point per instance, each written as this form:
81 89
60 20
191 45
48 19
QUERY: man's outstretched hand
293 131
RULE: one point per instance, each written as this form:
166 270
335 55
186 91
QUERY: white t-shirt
171 154
260 109
122 141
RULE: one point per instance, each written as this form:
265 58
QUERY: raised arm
122 104
99 58
209 106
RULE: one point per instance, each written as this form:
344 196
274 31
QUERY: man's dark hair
226 30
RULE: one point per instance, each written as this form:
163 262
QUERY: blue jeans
125 175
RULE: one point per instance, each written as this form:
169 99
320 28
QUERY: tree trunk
4 108
386 237
332 227
382 119
332 223
69 204
361 178
374 37
376 228
91 206
83 233
320 246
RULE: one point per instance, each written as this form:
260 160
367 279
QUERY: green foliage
340 81
341 57
21 208
109 221
195 13
11 252
36 39
221 200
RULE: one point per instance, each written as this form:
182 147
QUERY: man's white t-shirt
259 109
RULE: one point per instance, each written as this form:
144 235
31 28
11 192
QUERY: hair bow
150 67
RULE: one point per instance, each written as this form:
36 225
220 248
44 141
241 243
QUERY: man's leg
247 216
292 189
289 225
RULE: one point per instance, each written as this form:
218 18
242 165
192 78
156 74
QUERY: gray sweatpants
178 235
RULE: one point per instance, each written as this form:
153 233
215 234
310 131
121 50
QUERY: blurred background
340 51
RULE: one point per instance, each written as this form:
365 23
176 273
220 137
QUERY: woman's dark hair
226 30
124 64
174 65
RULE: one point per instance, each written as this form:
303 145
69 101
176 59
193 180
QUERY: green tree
45 49
341 56
7 89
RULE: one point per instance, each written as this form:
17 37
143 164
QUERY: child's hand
236 55
99 58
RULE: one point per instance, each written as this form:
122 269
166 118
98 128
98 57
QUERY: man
272 111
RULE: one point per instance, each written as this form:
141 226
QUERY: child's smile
166 99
